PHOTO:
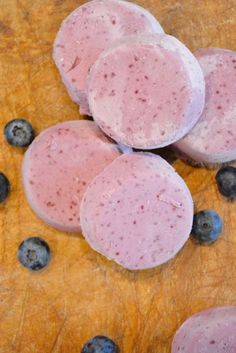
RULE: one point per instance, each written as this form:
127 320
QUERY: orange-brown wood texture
81 293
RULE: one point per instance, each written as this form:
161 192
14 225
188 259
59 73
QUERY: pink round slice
137 212
146 91
210 331
90 29
213 139
58 167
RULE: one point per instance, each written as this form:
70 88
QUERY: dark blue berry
226 181
100 344
207 226
4 187
19 132
34 253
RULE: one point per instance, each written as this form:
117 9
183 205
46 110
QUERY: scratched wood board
81 293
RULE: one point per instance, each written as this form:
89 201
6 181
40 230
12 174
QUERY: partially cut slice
210 331
213 139
87 31
137 212
58 167
146 91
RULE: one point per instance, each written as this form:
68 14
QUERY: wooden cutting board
82 294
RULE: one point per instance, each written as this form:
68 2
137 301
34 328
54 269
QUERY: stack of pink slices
144 90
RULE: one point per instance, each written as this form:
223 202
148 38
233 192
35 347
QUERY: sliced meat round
210 331
213 139
146 91
87 31
58 166
137 212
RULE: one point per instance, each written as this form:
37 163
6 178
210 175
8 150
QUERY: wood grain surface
82 294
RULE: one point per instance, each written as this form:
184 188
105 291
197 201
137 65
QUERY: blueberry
100 344
4 187
226 181
34 253
207 226
19 132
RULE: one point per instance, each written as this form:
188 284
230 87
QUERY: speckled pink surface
146 91
87 31
213 139
137 212
58 166
210 331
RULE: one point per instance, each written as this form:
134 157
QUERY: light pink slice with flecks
210 331
137 212
146 91
58 167
213 139
90 29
